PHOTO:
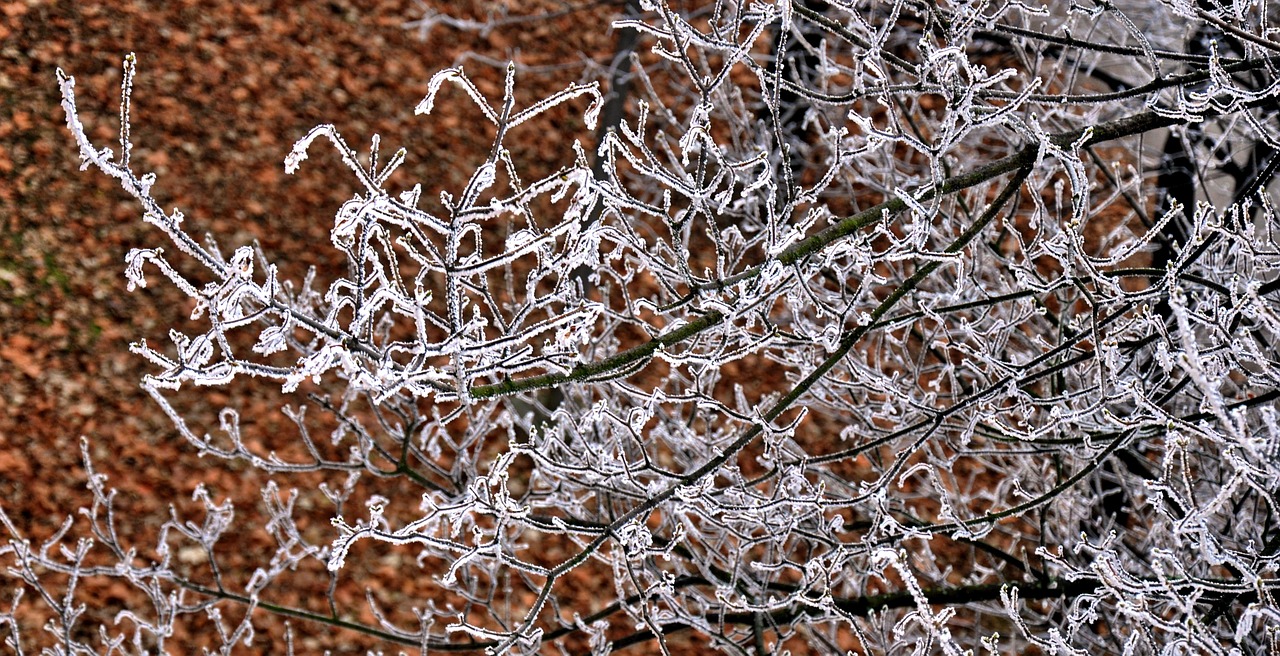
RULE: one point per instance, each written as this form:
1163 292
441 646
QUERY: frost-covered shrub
883 327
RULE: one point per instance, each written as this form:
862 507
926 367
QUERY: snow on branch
867 327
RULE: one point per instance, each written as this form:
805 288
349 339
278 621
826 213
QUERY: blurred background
223 89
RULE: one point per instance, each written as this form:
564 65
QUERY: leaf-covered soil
223 90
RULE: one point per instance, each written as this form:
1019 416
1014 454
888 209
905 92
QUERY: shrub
878 327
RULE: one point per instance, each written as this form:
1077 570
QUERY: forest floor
222 92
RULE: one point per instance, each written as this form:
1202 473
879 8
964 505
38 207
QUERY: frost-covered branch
869 326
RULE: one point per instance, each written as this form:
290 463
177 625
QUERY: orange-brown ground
223 90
